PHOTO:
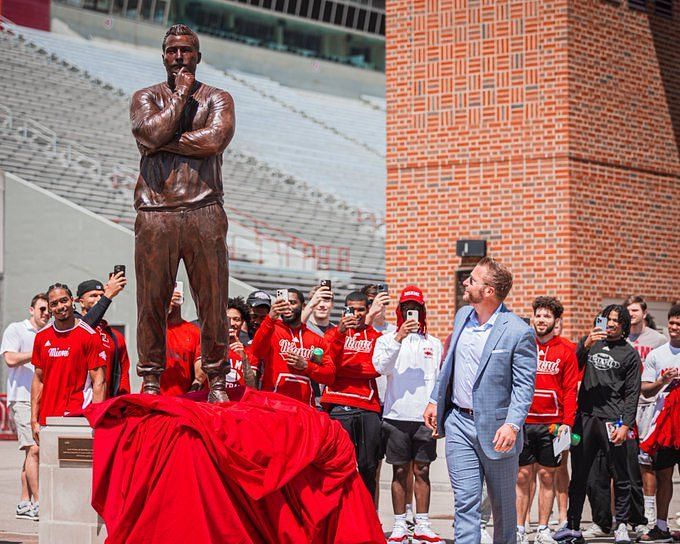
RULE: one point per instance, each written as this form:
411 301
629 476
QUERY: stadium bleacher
316 152
67 130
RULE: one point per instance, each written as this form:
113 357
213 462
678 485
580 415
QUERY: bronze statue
182 126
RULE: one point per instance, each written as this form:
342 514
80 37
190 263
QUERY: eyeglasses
473 281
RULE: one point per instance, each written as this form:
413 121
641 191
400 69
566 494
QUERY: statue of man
182 126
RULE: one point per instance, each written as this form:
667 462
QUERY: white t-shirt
19 337
658 360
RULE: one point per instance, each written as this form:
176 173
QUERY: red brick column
550 129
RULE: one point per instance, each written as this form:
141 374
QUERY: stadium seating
273 130
82 137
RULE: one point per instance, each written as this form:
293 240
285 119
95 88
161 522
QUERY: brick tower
548 128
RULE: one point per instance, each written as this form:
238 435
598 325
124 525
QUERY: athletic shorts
407 441
643 420
538 446
21 414
666 458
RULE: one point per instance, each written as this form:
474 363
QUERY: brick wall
549 128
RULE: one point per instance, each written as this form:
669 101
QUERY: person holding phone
317 314
352 399
93 299
285 346
607 405
660 376
409 357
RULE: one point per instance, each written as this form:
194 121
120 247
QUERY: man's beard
294 317
547 331
470 298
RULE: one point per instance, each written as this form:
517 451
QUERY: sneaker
423 534
621 534
522 537
641 530
399 534
595 531
25 510
486 537
544 536
36 511
656 535
569 536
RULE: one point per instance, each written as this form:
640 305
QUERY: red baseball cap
411 292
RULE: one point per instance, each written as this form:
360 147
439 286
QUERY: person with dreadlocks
607 405
410 358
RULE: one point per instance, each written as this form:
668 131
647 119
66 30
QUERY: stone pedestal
66 516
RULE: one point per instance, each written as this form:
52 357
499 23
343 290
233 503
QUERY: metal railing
327 257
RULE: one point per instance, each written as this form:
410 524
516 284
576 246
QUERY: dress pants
199 238
468 467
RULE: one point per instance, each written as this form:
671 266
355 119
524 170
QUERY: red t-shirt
235 375
183 348
65 357
105 333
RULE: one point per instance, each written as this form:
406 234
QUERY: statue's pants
199 238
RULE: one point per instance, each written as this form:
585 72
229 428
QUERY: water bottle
317 354
575 438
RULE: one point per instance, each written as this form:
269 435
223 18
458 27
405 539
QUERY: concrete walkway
17 531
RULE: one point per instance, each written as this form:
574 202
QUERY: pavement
17 531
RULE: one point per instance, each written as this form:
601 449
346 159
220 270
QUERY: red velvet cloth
264 469
666 433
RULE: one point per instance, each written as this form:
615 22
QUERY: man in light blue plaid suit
480 402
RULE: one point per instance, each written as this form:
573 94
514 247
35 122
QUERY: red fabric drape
666 433
264 469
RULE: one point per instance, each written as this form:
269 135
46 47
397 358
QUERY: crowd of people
607 401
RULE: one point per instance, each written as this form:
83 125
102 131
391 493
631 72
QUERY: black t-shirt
611 380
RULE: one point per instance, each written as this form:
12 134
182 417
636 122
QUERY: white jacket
412 368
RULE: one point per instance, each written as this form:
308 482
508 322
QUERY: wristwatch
514 427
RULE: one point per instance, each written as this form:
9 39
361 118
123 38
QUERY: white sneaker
594 531
621 534
25 510
544 536
423 534
486 537
522 537
399 534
